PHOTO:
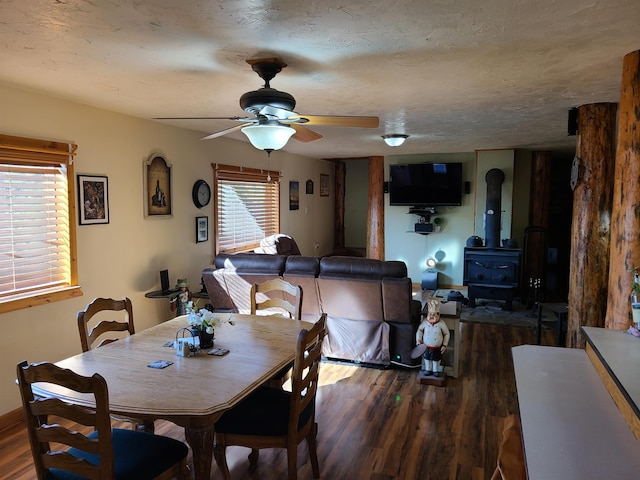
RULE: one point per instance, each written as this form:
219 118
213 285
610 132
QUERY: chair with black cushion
90 336
277 295
94 337
274 418
98 451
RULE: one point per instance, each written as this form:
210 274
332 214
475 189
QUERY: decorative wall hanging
309 187
93 199
157 187
294 195
202 229
324 185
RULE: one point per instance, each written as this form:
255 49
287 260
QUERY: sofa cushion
351 267
251 263
300 265
358 299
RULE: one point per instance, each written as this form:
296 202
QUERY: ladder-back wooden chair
88 337
94 337
277 295
274 418
63 450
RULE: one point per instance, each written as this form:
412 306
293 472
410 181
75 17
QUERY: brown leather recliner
371 315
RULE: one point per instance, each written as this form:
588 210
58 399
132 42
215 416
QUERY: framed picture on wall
309 187
202 229
157 187
294 195
93 199
324 185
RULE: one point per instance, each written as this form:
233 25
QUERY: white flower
203 319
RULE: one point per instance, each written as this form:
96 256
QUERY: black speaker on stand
164 281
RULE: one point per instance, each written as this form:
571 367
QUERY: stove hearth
492 273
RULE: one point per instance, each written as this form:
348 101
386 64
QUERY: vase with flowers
201 323
635 298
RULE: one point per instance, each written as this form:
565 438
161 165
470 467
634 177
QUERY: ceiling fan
274 120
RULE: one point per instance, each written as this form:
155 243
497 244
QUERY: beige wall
123 258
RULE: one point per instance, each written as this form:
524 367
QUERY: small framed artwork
309 187
157 187
294 195
93 199
202 229
324 185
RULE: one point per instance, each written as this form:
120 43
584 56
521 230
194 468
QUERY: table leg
562 319
200 439
539 324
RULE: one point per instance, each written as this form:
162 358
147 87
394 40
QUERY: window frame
243 174
28 151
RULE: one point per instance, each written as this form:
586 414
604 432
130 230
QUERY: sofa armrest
397 301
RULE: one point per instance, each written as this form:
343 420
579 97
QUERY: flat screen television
425 184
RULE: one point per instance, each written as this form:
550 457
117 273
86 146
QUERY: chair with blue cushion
98 451
274 418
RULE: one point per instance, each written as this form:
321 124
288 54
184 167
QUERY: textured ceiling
455 75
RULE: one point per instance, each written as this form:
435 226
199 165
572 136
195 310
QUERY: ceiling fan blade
338 120
238 119
224 132
304 134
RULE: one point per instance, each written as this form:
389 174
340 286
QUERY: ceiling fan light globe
394 140
268 137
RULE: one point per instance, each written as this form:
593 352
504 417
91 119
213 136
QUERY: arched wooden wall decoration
593 174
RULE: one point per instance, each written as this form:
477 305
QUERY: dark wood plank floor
382 424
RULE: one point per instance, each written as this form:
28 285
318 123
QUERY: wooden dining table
192 392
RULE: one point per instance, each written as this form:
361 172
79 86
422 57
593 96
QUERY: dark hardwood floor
382 424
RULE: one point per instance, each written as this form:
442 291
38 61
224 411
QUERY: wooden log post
534 253
338 232
375 223
625 216
593 174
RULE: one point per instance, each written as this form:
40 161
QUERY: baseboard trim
11 418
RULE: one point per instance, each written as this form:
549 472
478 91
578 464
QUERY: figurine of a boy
179 302
434 333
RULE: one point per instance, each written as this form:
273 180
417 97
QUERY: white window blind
35 230
247 207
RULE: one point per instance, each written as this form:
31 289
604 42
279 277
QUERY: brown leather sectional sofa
371 315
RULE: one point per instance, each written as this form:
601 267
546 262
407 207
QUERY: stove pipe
493 213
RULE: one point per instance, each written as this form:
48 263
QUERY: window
37 234
247 207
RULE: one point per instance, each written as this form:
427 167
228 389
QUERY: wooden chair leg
292 460
219 453
313 454
253 459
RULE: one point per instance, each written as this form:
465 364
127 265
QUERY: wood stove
492 273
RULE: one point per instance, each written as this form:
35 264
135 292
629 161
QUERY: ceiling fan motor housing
256 100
